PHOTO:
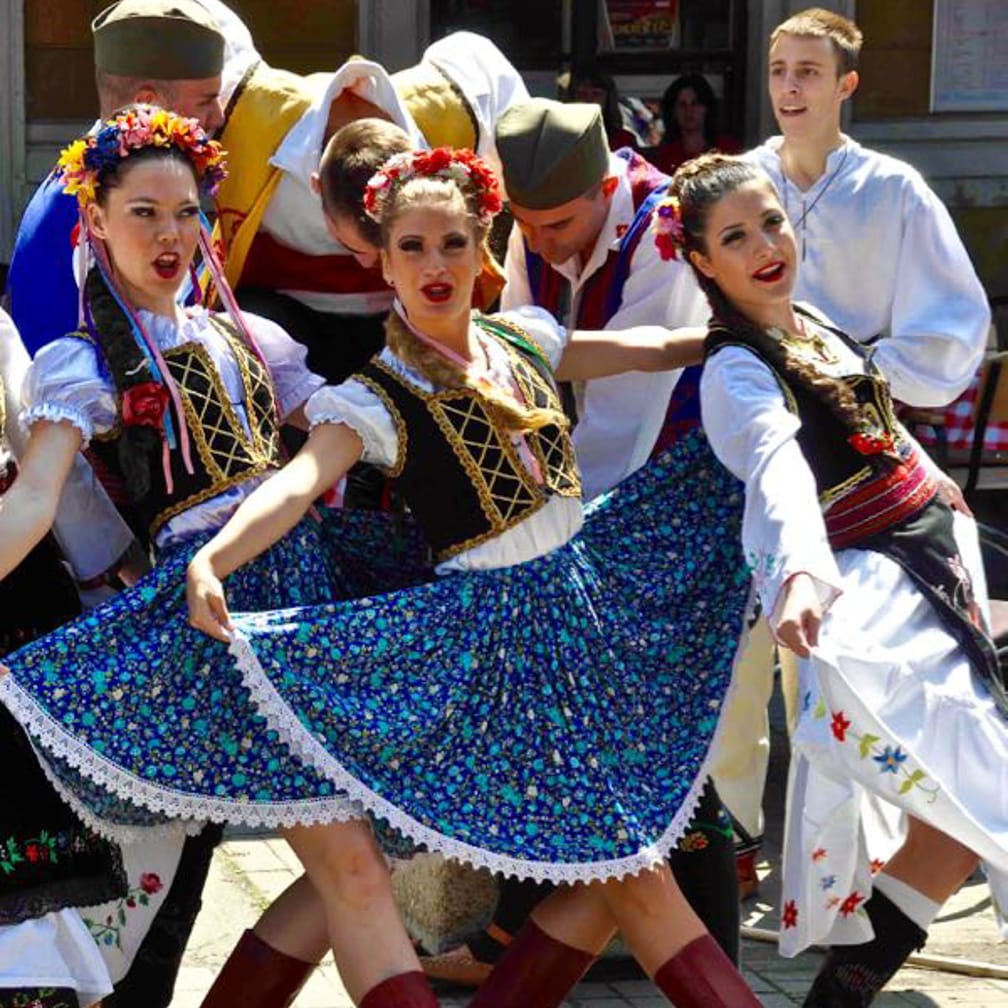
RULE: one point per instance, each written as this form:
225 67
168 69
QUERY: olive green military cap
551 152
158 39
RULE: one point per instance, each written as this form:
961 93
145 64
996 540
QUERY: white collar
301 149
848 145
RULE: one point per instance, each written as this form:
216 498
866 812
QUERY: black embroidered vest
842 468
223 455
458 471
884 502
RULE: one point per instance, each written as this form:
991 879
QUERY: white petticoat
53 951
889 708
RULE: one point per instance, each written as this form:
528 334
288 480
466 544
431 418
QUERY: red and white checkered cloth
958 425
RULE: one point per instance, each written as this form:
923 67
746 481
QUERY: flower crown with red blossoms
667 227
460 166
81 164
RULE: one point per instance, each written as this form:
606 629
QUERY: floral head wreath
134 357
81 164
459 166
667 227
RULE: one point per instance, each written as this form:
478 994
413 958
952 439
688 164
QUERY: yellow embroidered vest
266 107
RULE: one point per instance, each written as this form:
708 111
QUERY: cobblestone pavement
248 874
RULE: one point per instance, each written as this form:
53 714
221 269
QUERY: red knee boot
700 975
256 975
536 971
406 990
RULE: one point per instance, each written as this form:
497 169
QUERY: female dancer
542 652
869 577
140 718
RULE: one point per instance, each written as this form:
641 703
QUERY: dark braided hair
701 183
127 366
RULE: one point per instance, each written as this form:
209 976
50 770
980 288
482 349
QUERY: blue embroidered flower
890 759
105 150
827 882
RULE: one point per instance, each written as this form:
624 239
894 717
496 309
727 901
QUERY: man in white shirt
880 256
879 252
575 251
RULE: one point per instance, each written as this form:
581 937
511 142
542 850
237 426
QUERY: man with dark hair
349 160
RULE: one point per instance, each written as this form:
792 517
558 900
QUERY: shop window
528 32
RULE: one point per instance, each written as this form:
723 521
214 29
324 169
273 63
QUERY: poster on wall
639 25
969 71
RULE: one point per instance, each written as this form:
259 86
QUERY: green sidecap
158 39
551 152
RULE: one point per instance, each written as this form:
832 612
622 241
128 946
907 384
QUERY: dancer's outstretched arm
600 353
27 510
264 517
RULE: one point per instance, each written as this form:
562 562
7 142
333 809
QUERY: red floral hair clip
460 166
667 227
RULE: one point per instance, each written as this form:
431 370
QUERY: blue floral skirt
141 719
550 719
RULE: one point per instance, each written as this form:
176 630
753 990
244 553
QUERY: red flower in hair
437 160
144 405
667 227
460 166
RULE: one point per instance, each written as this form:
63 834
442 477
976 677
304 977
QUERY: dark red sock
256 975
535 971
700 975
405 990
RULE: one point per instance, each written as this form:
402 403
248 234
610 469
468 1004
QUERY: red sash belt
879 504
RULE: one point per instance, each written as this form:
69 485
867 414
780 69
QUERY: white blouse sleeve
64 382
90 531
549 335
753 433
287 362
355 405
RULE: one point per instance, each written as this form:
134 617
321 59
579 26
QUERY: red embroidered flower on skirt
851 904
839 726
151 883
